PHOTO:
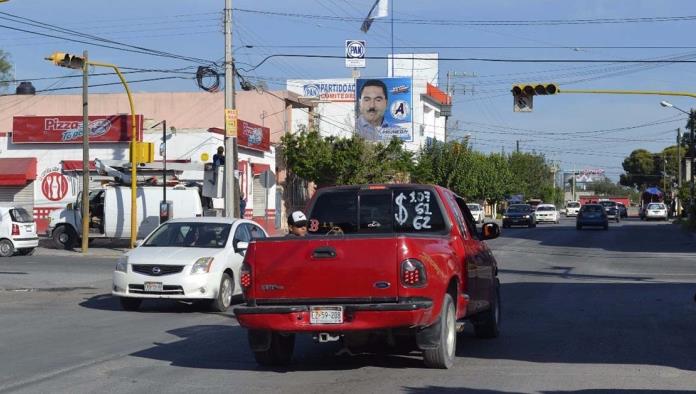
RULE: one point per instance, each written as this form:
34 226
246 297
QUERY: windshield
190 235
573 205
20 215
519 208
414 210
656 206
546 209
608 203
474 207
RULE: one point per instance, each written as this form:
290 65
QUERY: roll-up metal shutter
22 196
259 197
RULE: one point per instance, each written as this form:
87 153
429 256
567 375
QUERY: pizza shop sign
68 129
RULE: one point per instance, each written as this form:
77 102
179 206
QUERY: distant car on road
592 215
17 232
572 208
623 211
547 213
612 209
519 215
476 212
656 211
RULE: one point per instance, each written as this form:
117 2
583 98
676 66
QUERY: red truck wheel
487 324
279 351
442 356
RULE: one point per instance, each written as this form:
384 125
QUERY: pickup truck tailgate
292 270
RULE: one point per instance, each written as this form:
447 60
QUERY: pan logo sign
72 130
311 90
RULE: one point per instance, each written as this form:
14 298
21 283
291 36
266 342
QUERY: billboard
68 129
253 136
334 90
384 109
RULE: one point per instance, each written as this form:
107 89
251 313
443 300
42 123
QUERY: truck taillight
413 273
15 229
245 277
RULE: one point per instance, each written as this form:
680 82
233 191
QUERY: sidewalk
97 248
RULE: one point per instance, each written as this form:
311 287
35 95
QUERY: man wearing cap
297 224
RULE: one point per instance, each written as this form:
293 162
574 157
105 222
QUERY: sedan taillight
15 229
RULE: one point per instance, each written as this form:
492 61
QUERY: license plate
326 315
153 287
29 227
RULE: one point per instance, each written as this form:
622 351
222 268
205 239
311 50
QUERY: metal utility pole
692 153
230 167
164 161
679 178
85 155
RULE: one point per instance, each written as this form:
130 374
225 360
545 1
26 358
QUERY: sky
577 131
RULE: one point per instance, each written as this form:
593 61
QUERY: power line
103 84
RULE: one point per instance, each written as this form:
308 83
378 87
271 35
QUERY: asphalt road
589 310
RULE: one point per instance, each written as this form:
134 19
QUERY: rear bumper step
405 305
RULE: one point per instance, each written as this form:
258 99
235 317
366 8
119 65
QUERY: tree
532 175
5 70
639 169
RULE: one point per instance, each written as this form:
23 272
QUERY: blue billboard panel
384 109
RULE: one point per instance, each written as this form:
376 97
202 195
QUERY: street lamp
692 153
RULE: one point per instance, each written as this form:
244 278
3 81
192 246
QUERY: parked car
381 263
519 215
17 232
612 210
547 213
623 211
186 259
476 212
109 209
572 208
592 215
656 211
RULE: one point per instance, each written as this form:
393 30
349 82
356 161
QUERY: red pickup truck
395 263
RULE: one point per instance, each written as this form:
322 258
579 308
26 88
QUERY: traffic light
534 89
67 60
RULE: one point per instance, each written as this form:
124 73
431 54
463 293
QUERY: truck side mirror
490 231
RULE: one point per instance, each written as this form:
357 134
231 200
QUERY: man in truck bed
395 263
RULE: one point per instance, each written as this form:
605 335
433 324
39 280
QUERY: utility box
166 211
142 152
213 183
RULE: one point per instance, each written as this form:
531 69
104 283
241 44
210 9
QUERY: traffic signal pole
85 155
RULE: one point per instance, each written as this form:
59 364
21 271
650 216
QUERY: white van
110 211
572 208
17 232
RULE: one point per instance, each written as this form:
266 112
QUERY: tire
617 220
442 357
606 226
27 252
278 353
224 297
6 248
487 324
64 237
578 226
130 304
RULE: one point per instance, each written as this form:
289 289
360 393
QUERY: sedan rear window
573 205
20 215
592 208
656 206
399 210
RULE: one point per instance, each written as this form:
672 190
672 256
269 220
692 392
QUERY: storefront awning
259 168
76 165
17 171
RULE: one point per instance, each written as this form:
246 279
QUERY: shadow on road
447 390
568 323
108 302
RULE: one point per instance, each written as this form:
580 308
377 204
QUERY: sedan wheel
224 297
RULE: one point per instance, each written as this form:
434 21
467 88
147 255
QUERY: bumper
649 215
517 222
181 286
552 219
572 213
25 243
296 318
590 222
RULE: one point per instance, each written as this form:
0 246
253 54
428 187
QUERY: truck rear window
398 210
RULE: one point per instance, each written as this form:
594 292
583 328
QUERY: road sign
231 116
355 53
523 103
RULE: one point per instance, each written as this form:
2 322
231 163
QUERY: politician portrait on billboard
383 108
